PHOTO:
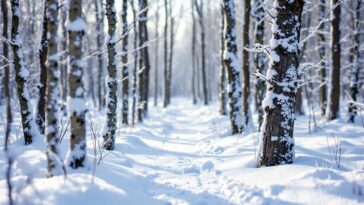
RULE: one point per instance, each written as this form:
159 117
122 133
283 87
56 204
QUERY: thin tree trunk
100 58
334 97
64 74
322 54
193 54
124 60
43 50
135 71
30 129
166 81
260 59
354 84
276 144
112 81
76 103
231 63
246 63
52 93
6 79
170 59
156 56
222 92
199 8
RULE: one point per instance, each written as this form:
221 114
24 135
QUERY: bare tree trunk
135 71
223 97
52 93
76 102
64 81
354 84
246 63
100 58
6 79
334 96
43 50
322 53
193 54
199 8
276 144
231 63
156 56
166 80
124 60
170 59
30 129
112 81
260 59
144 64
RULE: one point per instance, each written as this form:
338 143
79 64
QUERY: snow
184 155
76 25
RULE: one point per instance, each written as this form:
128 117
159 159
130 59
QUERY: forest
201 102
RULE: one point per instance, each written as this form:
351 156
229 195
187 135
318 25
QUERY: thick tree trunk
112 81
322 53
246 63
222 92
334 89
232 67
30 129
125 67
354 84
52 93
43 50
260 59
276 144
76 101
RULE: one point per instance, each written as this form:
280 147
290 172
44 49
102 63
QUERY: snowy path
183 155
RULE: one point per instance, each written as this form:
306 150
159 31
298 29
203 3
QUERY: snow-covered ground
183 155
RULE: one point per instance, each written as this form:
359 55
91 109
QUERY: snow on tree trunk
52 93
260 59
246 63
354 84
124 61
276 144
43 50
6 79
222 90
232 67
144 64
30 129
334 88
156 55
76 27
322 54
63 59
112 82
135 69
193 54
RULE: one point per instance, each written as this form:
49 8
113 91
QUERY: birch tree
52 93
246 63
100 57
156 83
356 67
124 61
259 58
111 101
30 130
222 85
193 53
276 144
322 54
232 67
76 27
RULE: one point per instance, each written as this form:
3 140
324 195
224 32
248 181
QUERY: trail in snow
184 155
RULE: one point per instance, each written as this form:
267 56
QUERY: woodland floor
184 155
